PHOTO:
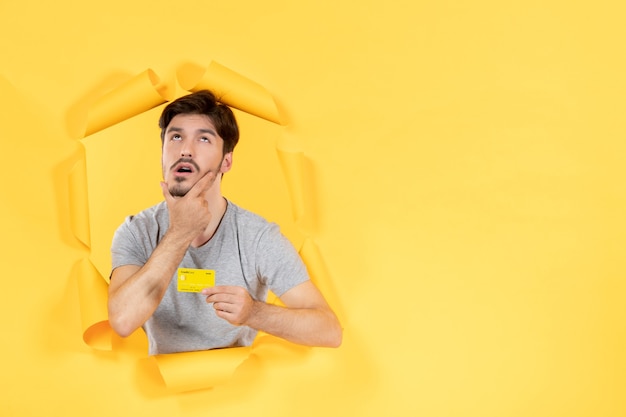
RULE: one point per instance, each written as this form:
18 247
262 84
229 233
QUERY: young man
196 227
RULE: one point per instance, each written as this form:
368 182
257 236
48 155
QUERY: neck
217 208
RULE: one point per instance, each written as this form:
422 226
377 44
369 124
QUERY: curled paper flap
188 371
92 294
272 349
231 88
296 170
79 207
292 165
314 262
139 94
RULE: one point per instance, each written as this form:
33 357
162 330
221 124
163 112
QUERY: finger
208 291
221 298
224 315
166 192
203 184
222 309
218 289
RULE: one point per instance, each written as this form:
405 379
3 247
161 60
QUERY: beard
179 188
181 185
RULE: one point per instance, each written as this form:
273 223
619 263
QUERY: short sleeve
126 249
279 265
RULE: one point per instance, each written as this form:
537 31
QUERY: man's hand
189 215
231 303
306 318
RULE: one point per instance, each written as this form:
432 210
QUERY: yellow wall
468 168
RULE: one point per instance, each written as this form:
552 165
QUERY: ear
227 163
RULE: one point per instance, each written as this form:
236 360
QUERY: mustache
185 161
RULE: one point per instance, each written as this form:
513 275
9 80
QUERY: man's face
191 148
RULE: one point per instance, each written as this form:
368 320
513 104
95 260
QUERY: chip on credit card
195 280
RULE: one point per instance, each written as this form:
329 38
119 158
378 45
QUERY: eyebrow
180 129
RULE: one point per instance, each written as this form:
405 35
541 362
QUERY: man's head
198 135
204 102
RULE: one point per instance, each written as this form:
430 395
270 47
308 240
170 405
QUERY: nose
186 150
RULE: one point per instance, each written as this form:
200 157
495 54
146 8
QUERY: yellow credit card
195 280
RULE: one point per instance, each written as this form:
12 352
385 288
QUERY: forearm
134 298
305 326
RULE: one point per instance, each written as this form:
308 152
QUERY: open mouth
184 167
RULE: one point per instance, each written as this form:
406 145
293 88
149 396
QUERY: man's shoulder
141 230
241 214
254 231
155 214
249 222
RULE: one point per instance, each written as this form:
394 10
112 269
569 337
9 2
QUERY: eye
176 137
205 139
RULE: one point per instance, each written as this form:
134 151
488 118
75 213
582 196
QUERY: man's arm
306 318
136 291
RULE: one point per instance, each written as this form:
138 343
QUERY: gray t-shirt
246 250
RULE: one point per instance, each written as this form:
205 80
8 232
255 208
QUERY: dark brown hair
204 102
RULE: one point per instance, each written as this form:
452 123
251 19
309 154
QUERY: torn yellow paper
79 208
314 262
187 371
272 349
92 292
231 89
139 94
291 163
299 178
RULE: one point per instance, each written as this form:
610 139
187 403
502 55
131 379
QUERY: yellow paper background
466 160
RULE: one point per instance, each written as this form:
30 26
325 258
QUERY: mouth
184 167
